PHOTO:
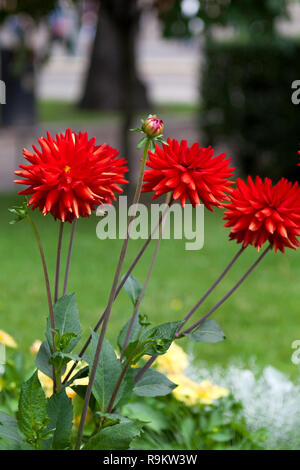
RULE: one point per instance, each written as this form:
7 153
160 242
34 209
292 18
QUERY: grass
261 319
63 111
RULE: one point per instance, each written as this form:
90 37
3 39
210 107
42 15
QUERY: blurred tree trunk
112 71
112 82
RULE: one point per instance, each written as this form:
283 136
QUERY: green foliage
116 437
108 371
175 425
135 332
60 412
254 16
162 337
32 412
207 332
35 8
20 212
43 358
9 431
153 384
12 375
247 91
67 324
133 288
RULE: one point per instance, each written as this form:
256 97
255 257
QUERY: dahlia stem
124 279
141 296
74 225
152 359
58 258
195 325
144 369
48 290
215 284
120 379
111 300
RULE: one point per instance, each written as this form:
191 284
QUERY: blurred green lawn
261 319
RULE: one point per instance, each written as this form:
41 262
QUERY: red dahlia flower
71 175
262 212
189 173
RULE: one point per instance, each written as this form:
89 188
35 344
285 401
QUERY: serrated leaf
117 437
108 372
153 384
9 429
207 332
164 334
133 288
66 320
60 412
32 412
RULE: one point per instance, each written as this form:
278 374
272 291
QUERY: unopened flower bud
153 126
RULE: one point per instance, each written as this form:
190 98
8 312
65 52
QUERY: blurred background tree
246 79
23 45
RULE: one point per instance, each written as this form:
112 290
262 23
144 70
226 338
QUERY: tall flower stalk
48 291
58 260
146 141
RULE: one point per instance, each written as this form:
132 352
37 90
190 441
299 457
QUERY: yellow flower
34 348
191 392
6 339
186 389
174 361
47 382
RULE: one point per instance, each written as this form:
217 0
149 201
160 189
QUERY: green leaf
133 288
162 335
136 327
207 332
9 429
142 142
32 412
144 411
153 384
42 360
66 321
60 412
222 436
20 212
108 371
59 358
117 437
111 419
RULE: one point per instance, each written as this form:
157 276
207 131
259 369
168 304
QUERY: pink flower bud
153 126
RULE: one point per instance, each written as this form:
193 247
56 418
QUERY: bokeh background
216 71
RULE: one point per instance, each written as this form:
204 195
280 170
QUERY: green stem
110 301
48 290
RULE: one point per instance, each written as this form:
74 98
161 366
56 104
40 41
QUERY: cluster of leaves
176 426
43 423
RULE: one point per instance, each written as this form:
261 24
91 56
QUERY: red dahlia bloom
71 175
262 212
189 173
